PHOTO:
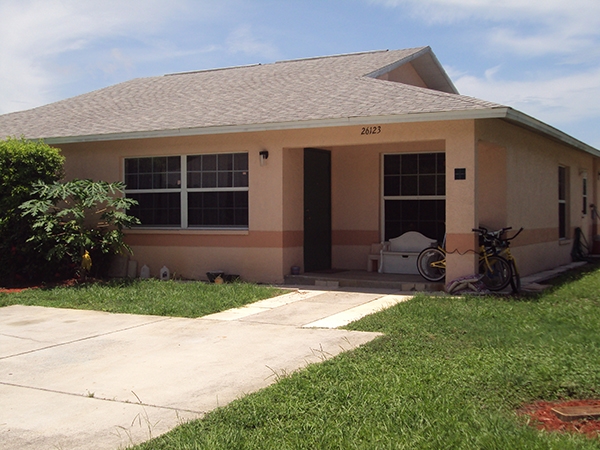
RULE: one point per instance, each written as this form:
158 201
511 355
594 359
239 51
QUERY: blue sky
541 57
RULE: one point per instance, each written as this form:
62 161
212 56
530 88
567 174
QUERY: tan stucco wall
529 196
511 181
406 74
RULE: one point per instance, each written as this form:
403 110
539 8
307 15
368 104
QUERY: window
584 194
562 202
193 191
414 190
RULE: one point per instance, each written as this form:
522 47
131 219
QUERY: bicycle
492 242
497 271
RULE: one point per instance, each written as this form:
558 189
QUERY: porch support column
461 202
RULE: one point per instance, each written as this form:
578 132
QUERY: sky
541 57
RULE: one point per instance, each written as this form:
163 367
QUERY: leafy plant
80 218
22 163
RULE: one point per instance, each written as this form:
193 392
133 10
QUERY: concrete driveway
72 379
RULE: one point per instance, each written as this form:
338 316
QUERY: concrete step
351 279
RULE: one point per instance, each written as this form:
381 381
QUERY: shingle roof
313 89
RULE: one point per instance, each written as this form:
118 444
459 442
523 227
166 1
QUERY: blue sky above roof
541 57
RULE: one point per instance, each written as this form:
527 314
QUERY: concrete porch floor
364 279
402 282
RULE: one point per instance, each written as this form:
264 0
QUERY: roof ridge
337 55
215 69
285 61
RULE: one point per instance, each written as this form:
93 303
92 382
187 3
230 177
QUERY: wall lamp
264 155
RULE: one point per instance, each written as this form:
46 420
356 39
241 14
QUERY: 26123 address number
371 130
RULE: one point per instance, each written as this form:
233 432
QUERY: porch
364 279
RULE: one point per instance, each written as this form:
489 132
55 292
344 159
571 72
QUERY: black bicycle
493 244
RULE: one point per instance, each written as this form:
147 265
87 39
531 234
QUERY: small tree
22 163
80 218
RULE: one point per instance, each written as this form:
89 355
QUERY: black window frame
168 189
414 194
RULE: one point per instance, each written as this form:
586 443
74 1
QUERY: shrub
22 163
80 218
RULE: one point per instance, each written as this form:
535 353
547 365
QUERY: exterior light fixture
264 155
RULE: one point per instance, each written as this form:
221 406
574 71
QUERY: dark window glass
145 165
157 209
214 205
240 179
209 162
173 164
225 162
412 175
240 161
410 164
391 185
409 185
159 164
153 173
194 163
425 216
427 185
427 163
562 202
145 181
209 179
562 220
391 165
218 209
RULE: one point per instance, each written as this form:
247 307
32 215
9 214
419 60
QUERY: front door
317 210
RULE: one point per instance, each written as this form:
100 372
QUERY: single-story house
253 170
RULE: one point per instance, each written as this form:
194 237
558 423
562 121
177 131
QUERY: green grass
154 297
449 373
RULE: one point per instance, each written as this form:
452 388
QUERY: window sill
188 231
565 241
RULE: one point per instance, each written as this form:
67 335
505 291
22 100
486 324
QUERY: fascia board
424 51
278 126
505 113
524 120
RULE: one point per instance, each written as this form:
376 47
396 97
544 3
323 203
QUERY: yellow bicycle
497 266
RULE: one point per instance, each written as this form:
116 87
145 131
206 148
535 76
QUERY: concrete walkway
72 379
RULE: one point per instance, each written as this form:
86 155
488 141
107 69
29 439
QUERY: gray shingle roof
313 89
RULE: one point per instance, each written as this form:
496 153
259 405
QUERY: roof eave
505 113
278 126
526 121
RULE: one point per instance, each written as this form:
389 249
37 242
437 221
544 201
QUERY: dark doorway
317 210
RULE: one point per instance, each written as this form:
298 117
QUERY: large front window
414 194
192 191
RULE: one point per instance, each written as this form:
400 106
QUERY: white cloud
533 27
37 35
242 40
557 101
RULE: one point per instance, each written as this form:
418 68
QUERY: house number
371 130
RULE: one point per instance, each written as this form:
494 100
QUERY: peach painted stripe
253 239
463 242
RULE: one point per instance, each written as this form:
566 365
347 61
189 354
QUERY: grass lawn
449 373
154 297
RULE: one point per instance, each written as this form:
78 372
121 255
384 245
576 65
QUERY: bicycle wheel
425 260
515 278
496 273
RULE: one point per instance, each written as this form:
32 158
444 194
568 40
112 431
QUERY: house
253 170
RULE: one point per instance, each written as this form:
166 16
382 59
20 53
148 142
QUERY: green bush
22 163
80 218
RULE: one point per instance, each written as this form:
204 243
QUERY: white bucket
164 273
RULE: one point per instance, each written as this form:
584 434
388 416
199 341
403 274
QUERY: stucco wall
529 197
510 181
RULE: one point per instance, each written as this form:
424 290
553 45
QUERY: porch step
357 279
